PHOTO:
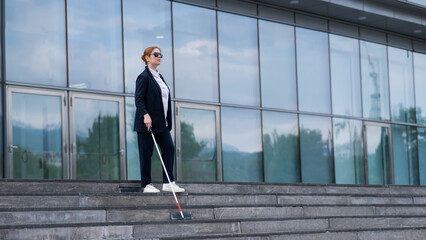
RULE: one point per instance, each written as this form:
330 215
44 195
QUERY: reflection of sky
345 75
195 52
94 42
238 59
400 80
36 111
374 139
313 70
283 123
315 123
35 41
146 23
87 112
241 129
203 121
420 83
374 61
278 66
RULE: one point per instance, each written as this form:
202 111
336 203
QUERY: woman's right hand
147 120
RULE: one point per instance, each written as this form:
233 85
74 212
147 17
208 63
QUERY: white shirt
164 91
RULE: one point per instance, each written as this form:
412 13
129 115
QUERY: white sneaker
168 188
150 189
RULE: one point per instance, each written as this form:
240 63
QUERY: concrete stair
114 210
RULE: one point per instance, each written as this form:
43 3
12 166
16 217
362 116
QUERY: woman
153 111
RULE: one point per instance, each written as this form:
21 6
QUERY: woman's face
154 59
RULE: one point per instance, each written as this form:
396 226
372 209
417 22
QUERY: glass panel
241 145
97 139
35 42
313 70
281 147
404 147
420 83
238 59
133 165
345 76
401 84
198 144
374 73
378 158
94 44
278 65
140 31
195 52
37 133
348 151
316 149
422 154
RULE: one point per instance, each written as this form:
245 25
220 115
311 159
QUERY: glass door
197 143
377 153
97 137
37 133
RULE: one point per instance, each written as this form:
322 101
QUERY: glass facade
35 42
272 101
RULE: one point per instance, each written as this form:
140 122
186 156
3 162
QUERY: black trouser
146 146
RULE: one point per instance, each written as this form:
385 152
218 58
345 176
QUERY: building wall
294 97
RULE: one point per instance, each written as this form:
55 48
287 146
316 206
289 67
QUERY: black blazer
148 100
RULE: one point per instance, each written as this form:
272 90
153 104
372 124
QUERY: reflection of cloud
87 111
35 42
36 111
241 129
196 66
94 33
140 31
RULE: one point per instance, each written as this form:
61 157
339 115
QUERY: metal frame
178 106
391 169
9 91
73 150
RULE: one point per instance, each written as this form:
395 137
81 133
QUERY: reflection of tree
281 155
405 150
316 157
39 154
348 153
98 155
403 114
197 163
189 143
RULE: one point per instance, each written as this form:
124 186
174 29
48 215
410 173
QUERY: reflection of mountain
281 157
229 148
242 166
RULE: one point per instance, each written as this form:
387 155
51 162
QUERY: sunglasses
156 54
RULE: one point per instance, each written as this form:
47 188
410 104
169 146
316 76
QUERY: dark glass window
422 154
404 147
316 149
348 151
281 147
